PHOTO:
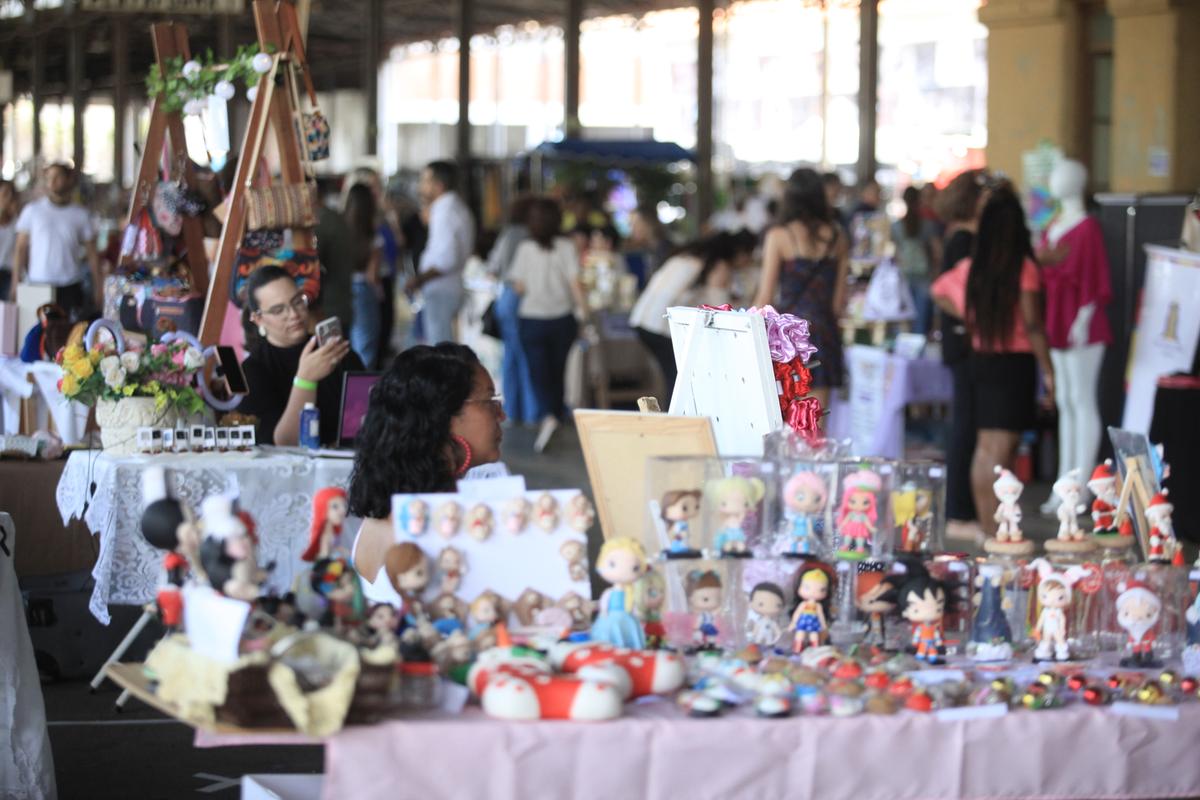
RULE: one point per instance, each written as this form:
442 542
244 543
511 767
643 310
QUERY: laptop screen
356 395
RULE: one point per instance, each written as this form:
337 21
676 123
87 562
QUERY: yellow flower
73 353
128 390
82 369
69 385
95 357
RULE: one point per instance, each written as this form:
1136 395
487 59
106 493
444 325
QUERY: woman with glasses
285 368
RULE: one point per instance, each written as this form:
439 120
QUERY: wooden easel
279 33
1134 499
170 41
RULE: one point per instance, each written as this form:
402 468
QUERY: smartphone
328 329
231 370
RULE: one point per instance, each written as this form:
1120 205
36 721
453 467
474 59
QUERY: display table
275 486
881 385
47 546
30 395
1080 752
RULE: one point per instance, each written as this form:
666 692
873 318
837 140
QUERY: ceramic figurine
453 565
329 513
621 562
1054 596
528 604
913 508
735 499
581 515
408 570
1103 484
1009 540
485 613
516 515
381 624
858 515
447 519
333 580
574 552
810 620
704 593
990 632
228 550
414 517
479 522
1163 545
1070 492
804 498
167 525
545 512
678 509
1138 610
651 592
762 621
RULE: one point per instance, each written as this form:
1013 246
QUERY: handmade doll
1054 596
447 519
329 513
408 570
528 604
858 516
704 595
810 620
228 550
1070 492
579 609
762 621
479 522
804 498
1138 610
545 512
1103 485
913 509
678 509
333 580
735 498
448 613
877 602
516 515
924 600
621 562
575 554
580 513
414 517
1008 514
167 525
1163 545
452 564
651 592
381 624
484 614
990 633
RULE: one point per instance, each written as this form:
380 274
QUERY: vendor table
274 485
881 385
31 391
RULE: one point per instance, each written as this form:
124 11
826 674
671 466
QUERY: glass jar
1077 579
957 571
420 685
1149 609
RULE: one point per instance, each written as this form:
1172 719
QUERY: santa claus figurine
1138 610
1163 546
1103 485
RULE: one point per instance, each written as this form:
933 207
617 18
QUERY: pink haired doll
858 515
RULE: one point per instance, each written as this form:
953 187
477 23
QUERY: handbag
291 205
316 135
303 265
161 314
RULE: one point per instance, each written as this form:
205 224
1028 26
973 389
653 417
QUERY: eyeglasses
298 304
496 401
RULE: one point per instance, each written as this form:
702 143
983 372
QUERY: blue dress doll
622 561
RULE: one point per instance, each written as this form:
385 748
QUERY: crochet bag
282 206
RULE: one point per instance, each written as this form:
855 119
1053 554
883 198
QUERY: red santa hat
1159 506
1134 589
1103 472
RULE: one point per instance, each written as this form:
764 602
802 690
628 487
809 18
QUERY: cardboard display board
725 373
617 446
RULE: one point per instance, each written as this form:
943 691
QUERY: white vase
119 422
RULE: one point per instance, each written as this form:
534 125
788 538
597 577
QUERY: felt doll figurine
167 525
1138 610
545 512
581 515
762 621
678 509
452 565
447 519
334 580
810 620
1054 596
704 596
734 499
858 516
228 550
479 522
575 554
414 517
621 562
804 498
1069 489
516 515
651 595
329 513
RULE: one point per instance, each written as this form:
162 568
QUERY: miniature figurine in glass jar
329 513
1103 484
1138 610
735 498
762 621
651 595
857 517
1069 490
622 561
810 621
704 594
804 498
990 633
1163 545
913 509
679 508
1054 596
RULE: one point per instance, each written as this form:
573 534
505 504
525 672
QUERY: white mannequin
1076 368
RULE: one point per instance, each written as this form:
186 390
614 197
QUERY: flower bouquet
164 372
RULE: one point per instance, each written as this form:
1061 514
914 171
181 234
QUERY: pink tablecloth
655 752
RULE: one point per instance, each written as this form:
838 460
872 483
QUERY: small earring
262 331
461 442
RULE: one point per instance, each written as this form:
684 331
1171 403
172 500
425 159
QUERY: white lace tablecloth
275 486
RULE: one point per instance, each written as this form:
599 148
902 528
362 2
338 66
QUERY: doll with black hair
167 525
810 620
923 601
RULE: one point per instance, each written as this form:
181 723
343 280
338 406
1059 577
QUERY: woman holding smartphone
286 367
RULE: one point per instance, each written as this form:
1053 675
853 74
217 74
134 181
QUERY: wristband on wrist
301 383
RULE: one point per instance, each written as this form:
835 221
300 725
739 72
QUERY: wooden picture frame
617 446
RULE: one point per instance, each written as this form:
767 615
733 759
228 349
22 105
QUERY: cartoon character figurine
651 595
381 624
913 509
329 513
622 561
762 621
1103 485
735 498
679 508
408 571
924 600
704 593
516 515
545 512
484 614
448 518
804 498
877 601
479 522
1138 610
1069 489
334 580
1163 545
810 621
168 525
413 517
990 632
228 550
581 514
1008 514
452 564
1054 596
858 516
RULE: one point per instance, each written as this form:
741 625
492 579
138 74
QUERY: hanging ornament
191 70
261 63
252 93
224 90
193 107
216 130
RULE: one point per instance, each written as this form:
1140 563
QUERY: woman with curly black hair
433 415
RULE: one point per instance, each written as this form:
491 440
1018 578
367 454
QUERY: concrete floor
139 754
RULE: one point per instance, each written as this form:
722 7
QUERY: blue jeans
520 398
366 325
438 315
547 343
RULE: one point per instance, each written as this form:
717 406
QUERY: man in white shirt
51 231
451 240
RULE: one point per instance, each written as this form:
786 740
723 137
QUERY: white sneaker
549 426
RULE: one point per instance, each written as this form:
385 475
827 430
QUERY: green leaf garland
177 90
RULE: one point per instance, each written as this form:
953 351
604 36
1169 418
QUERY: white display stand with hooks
725 373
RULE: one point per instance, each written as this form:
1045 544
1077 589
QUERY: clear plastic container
1082 580
704 608
674 505
918 507
862 524
734 509
800 520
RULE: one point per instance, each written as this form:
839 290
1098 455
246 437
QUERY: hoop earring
461 442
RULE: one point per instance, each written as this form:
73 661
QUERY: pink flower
158 350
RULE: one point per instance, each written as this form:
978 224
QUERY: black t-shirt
269 372
956 347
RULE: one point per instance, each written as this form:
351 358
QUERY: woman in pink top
996 292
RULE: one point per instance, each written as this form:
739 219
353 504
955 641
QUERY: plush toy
645 671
